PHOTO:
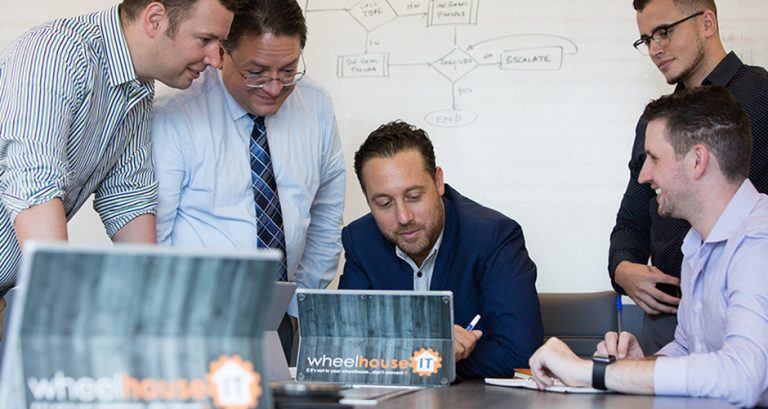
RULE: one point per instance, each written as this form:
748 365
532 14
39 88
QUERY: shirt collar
722 74
235 109
432 253
730 219
119 61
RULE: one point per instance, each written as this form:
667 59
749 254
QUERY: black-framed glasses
660 35
287 78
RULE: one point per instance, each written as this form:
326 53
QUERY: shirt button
697 308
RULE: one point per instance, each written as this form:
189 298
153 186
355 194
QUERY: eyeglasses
660 35
287 78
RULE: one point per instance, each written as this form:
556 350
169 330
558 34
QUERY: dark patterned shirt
640 233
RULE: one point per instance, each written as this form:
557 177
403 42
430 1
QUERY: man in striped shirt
75 104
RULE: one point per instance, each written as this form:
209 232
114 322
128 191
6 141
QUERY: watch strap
598 375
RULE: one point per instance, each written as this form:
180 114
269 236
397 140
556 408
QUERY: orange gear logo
234 384
426 362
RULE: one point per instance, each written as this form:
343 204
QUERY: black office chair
579 319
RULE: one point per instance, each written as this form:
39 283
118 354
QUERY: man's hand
622 346
639 281
554 360
464 342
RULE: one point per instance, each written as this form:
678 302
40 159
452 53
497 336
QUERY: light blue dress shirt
427 267
720 348
200 146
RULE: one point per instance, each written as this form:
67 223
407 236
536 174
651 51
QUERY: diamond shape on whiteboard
372 13
455 64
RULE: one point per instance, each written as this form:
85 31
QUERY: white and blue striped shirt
74 120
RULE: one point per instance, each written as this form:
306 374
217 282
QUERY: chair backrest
579 319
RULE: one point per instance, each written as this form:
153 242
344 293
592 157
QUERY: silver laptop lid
120 316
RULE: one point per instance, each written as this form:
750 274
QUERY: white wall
550 139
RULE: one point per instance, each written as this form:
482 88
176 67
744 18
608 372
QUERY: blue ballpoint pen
474 322
619 308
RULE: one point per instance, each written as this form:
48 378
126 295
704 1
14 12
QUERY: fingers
629 347
623 345
464 342
657 306
611 341
661 277
538 370
663 297
601 349
477 333
645 307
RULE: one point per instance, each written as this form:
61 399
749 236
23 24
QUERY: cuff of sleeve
15 205
669 376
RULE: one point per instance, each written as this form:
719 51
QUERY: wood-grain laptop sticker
138 328
354 337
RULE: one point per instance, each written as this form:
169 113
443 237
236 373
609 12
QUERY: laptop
369 337
277 368
141 325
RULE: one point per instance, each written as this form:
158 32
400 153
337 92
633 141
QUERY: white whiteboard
531 104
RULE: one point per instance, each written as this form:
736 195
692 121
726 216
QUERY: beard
691 67
419 247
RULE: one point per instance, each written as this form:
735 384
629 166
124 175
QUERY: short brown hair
258 17
710 116
691 6
178 10
391 139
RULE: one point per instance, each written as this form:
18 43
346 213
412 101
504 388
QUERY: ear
700 157
710 23
439 183
154 19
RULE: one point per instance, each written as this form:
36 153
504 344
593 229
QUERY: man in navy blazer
422 234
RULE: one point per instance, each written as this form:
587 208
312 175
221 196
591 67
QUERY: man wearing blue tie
250 157
422 234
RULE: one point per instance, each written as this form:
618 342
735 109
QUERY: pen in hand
474 322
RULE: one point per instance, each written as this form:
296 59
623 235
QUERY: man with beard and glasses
423 235
682 38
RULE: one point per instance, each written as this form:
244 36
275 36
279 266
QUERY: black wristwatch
599 362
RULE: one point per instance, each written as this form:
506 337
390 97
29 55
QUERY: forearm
631 376
139 230
44 222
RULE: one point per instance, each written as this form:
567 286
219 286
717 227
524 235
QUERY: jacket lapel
447 249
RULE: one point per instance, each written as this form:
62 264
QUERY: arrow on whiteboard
532 40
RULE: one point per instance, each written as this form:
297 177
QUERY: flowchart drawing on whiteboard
514 52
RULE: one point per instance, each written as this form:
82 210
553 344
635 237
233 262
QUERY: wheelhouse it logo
231 383
426 362
234 383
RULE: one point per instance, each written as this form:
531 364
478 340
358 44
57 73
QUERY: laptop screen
136 324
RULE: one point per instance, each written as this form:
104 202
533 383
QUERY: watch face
606 359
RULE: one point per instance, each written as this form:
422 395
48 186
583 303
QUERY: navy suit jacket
483 260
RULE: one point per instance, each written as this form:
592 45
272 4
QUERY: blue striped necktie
269 217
